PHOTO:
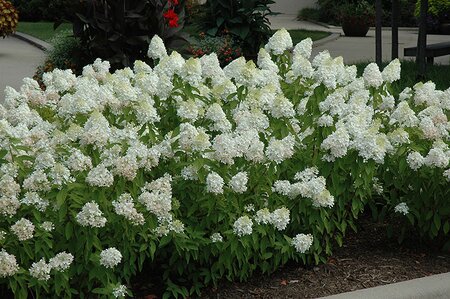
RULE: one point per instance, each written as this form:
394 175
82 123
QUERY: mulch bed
367 259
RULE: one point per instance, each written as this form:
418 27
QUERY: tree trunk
394 23
422 40
378 42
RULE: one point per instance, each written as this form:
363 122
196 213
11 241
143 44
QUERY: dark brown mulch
367 259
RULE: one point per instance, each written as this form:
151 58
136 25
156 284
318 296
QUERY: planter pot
355 27
444 28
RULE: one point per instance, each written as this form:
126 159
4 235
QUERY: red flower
173 23
172 17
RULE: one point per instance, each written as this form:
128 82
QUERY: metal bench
432 50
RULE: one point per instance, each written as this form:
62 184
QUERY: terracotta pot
355 27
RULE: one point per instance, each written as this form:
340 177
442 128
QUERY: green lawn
42 30
299 35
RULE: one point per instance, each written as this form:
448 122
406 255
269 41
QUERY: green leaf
446 227
437 221
68 232
267 255
102 291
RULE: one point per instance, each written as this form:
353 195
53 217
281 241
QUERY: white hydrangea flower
424 94
156 49
214 183
188 110
279 42
265 62
282 107
126 167
388 103
158 203
216 237
44 160
404 116
9 206
429 130
96 130
323 199
216 114
303 48
100 176
61 261
415 160
23 229
8 264
391 72
263 216
302 242
90 215
280 150
157 196
398 137
372 75
437 157
33 199
60 175
211 68
192 71
249 208
36 181
280 218
162 230
301 67
325 121
120 291
48 226
337 143
110 257
243 226
238 182
376 186
124 206
77 161
402 208
192 138
40 270
176 226
446 175
189 173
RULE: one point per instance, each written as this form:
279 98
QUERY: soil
367 259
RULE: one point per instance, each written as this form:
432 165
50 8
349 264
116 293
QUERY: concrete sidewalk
431 287
359 49
18 59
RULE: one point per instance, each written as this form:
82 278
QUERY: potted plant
8 18
356 17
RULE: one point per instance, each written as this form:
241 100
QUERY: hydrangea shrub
206 173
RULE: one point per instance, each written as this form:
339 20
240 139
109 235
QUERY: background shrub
226 48
66 53
245 20
119 31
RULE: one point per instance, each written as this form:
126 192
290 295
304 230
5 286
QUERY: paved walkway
18 59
